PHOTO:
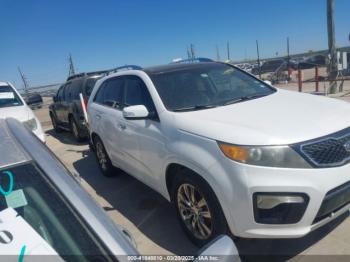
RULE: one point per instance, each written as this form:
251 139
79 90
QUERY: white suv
232 153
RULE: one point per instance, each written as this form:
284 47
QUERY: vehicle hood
21 113
284 117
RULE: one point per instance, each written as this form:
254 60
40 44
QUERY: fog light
279 208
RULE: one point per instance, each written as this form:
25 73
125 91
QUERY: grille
328 151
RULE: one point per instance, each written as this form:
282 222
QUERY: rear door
57 106
67 98
106 115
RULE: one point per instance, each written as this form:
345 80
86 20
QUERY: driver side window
136 93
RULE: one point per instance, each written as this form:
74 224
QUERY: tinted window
205 85
45 210
68 93
136 93
8 97
76 88
89 85
60 94
110 92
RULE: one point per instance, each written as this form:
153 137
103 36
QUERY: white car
232 152
13 105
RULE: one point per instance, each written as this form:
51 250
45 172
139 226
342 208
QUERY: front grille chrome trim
342 134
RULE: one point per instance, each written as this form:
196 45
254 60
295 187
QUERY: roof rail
124 68
192 60
87 74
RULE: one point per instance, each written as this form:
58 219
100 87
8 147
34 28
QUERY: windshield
206 85
44 218
8 97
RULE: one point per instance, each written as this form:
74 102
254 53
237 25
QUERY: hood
21 113
285 117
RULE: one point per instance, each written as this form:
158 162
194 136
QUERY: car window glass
89 85
136 93
8 97
113 92
41 207
99 97
205 85
76 88
60 94
67 93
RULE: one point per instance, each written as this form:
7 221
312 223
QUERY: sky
39 35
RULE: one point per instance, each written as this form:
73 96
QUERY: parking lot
151 220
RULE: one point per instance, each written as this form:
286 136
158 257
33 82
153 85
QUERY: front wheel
198 208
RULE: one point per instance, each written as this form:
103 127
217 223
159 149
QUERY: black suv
66 110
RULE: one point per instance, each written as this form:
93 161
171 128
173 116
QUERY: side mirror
221 249
135 112
268 82
54 99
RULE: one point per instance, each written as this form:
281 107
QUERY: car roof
10 151
179 66
3 83
28 147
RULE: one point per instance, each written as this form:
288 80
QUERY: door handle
122 126
98 117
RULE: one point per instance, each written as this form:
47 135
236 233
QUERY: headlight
272 156
31 124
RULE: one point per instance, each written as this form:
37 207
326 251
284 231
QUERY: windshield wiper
243 98
193 108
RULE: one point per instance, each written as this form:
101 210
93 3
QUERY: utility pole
333 68
71 66
193 56
257 51
228 50
217 53
24 79
188 53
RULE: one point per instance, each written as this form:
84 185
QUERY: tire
75 129
54 124
204 220
103 159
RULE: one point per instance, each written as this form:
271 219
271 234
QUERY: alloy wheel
101 156
194 211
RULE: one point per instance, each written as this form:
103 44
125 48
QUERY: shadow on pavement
146 209
156 218
64 137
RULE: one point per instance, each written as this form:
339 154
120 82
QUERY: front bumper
243 181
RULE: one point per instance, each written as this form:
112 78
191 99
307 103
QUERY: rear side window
136 93
76 88
110 92
60 94
67 93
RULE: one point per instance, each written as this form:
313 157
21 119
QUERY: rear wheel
103 159
198 208
54 124
75 130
